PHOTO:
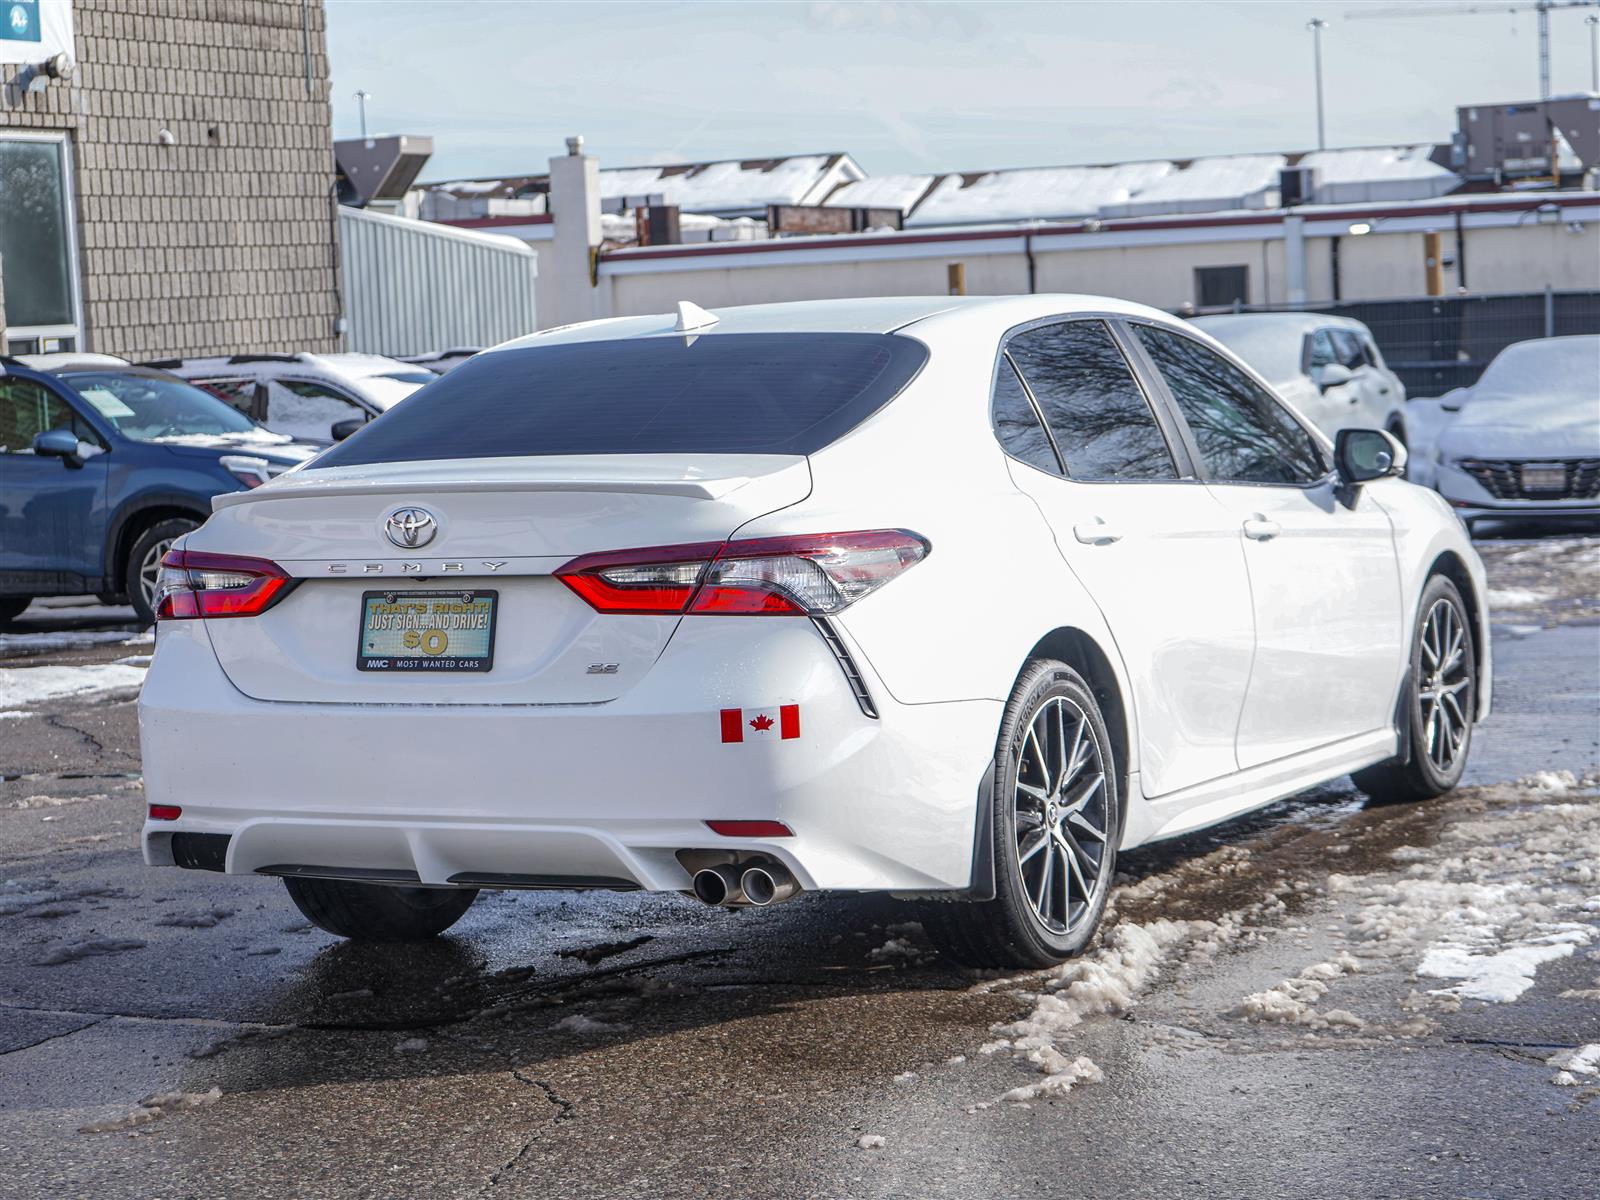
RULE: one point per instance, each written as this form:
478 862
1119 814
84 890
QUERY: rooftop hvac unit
1297 185
379 169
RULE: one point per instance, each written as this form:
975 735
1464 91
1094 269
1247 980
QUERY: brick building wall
224 240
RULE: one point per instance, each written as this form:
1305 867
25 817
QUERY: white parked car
1524 441
316 398
1329 368
949 598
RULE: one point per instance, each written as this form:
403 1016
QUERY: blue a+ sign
22 21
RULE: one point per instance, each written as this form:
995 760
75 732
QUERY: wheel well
1084 655
1449 565
134 525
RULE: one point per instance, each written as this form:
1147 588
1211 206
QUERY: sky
903 86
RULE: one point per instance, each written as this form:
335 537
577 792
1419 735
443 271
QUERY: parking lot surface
1327 998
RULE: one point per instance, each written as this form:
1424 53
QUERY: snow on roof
718 186
695 187
1035 193
882 191
1379 173
1207 185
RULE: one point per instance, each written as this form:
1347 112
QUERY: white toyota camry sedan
948 598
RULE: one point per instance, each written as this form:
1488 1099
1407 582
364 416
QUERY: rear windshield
732 393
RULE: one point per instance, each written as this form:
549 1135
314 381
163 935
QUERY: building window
1221 287
38 255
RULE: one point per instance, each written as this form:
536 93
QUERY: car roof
71 360
348 366
888 314
1221 324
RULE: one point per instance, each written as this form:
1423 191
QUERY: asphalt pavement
1326 998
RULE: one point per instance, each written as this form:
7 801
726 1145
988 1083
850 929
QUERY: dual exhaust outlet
758 883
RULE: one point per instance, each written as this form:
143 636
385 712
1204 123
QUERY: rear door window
1016 422
1097 413
1243 433
731 393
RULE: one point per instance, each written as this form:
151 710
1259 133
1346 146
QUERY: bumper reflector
750 829
165 812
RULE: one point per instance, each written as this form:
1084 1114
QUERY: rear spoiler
691 489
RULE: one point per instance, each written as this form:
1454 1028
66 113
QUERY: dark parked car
103 465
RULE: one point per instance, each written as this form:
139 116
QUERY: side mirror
58 443
343 429
1363 455
1334 375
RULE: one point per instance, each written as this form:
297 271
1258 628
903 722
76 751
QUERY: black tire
134 578
12 607
377 912
1010 931
1426 772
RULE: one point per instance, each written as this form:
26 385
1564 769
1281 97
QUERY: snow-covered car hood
1530 426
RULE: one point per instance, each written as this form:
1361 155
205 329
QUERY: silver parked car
1524 441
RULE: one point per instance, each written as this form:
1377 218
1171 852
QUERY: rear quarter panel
961 623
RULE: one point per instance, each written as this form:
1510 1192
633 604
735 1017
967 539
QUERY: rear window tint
735 393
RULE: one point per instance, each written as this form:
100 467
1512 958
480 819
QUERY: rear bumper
574 795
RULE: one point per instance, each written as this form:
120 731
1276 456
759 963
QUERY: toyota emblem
409 528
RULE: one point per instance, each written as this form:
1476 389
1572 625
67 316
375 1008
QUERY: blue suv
103 465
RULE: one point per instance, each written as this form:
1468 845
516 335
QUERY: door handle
1096 533
1259 529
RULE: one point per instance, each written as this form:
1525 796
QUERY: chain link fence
1436 343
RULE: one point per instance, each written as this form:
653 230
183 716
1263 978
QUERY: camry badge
409 528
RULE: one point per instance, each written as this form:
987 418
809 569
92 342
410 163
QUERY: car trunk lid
494 525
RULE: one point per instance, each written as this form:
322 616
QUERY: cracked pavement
600 1045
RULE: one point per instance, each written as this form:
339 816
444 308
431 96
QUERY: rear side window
1016 424
1096 411
1244 434
732 393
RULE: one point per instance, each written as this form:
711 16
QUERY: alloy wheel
1061 815
1444 685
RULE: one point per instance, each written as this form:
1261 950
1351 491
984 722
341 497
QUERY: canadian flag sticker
781 720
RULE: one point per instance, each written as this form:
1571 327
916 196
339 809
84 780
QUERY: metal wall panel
411 286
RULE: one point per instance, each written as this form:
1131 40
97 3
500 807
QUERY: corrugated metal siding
411 287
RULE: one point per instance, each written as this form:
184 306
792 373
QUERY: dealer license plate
427 631
1545 478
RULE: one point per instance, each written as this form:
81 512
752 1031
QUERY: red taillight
165 812
778 576
196 584
750 829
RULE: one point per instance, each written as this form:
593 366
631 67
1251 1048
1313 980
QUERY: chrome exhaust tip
718 885
767 883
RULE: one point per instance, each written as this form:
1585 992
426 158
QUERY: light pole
361 98
1316 25
1594 52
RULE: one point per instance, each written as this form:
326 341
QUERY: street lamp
1593 23
361 99
1316 25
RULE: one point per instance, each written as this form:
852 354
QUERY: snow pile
30 685
1499 896
153 1108
582 1023
1512 597
15 644
1106 982
870 1141
1292 1001
1577 1066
